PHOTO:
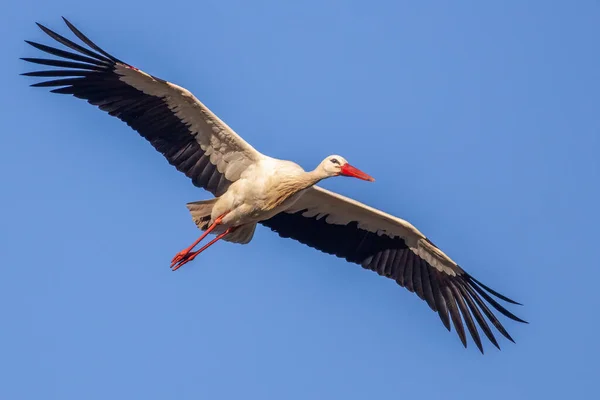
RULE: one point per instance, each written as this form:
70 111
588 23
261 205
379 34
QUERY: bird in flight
251 188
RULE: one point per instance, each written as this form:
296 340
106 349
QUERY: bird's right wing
393 248
176 123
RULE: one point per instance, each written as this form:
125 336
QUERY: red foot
187 256
184 254
180 256
184 259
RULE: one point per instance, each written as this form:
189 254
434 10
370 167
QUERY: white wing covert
175 122
393 248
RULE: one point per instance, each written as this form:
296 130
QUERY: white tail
201 214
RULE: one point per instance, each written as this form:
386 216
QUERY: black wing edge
89 74
75 67
78 65
464 293
455 298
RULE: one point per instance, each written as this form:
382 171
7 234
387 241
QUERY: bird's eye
334 161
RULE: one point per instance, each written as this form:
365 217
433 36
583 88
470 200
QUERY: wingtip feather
492 291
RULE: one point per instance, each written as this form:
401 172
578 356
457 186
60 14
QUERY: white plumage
251 188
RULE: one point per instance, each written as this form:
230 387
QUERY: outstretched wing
395 249
175 122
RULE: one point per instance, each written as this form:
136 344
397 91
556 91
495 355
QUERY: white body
250 187
246 199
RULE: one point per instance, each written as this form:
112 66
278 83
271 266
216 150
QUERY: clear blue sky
479 120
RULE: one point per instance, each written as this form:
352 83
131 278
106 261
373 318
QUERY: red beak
349 170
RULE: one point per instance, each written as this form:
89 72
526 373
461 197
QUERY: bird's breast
256 199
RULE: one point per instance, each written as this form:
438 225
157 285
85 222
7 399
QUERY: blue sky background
479 121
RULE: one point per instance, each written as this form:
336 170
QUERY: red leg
190 256
187 250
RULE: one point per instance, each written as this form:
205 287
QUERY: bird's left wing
393 248
176 123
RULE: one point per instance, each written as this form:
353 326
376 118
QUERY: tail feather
201 214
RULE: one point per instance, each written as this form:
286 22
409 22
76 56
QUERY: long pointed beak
349 170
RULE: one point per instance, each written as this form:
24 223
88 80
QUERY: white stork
250 187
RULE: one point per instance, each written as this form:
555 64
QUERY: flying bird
251 188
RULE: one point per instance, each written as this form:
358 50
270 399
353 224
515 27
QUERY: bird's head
337 165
